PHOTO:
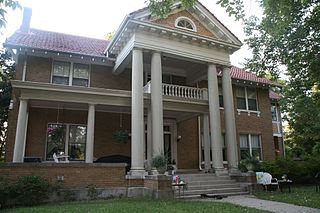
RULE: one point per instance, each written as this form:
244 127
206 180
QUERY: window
247 98
220 97
185 23
250 146
62 73
274 113
68 139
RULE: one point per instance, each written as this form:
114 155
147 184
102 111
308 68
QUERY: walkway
272 206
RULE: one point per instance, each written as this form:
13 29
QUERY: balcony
180 91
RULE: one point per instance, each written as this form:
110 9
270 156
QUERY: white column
90 134
206 142
137 126
230 124
156 104
20 132
149 138
215 121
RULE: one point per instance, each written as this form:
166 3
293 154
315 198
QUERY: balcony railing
180 91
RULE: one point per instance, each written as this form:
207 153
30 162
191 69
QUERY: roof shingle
40 39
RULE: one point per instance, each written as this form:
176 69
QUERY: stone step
211 196
216 186
209 182
203 178
212 191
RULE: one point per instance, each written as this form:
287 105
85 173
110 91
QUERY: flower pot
162 169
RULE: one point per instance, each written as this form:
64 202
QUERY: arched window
185 23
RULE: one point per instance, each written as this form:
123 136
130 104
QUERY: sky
95 18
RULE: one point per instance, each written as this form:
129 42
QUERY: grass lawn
300 195
137 205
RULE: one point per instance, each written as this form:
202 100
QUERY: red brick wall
105 124
39 69
75 175
170 22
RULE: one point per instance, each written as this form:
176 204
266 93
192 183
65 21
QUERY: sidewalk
272 206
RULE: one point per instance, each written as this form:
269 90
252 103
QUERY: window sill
249 112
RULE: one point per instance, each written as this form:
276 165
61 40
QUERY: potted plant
250 162
160 162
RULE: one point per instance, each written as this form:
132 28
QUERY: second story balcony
178 91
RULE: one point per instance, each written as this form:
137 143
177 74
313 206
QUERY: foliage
250 163
92 192
300 195
287 38
302 171
110 35
159 161
7 4
27 190
121 136
7 72
32 190
139 205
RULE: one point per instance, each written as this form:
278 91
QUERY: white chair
58 158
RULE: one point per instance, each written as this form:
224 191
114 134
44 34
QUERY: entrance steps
208 184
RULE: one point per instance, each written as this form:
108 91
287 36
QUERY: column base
220 171
137 173
234 171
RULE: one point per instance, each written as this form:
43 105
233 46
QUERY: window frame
247 100
71 70
249 138
183 18
67 142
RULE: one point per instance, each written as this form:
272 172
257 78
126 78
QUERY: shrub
302 171
32 190
5 192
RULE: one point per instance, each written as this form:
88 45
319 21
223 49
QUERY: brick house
167 83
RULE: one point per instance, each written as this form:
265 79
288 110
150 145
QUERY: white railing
180 91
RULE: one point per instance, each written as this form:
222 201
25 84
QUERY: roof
241 74
53 41
274 95
60 42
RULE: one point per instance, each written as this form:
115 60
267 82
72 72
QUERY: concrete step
215 186
212 191
203 178
209 182
211 196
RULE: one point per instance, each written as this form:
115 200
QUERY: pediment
206 23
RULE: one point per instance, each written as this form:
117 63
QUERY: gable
170 21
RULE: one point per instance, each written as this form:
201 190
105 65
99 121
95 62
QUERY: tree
7 72
288 37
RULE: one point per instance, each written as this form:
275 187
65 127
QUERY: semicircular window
185 23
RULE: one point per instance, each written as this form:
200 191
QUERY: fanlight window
185 23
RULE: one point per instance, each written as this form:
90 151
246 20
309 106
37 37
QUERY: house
166 83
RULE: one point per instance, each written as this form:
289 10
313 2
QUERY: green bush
302 171
5 192
31 190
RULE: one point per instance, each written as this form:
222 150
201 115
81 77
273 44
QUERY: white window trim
70 71
187 19
258 112
250 145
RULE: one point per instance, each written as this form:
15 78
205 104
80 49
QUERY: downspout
199 142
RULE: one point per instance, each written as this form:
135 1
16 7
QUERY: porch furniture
265 179
60 158
115 159
284 183
178 187
32 159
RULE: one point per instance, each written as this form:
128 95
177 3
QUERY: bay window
68 73
66 139
250 145
247 98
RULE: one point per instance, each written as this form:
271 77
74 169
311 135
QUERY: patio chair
58 158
